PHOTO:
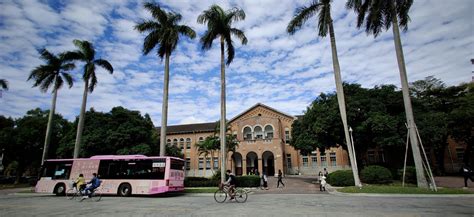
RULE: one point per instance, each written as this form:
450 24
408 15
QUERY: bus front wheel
60 189
125 190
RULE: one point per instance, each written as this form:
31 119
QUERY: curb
333 191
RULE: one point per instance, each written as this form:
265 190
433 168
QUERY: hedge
376 175
410 174
242 181
341 178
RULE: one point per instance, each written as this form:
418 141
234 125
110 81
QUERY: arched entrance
252 163
268 162
237 161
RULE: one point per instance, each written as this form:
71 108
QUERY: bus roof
116 157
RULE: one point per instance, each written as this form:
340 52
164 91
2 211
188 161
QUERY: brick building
263 134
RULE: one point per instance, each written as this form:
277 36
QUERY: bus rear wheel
60 189
125 190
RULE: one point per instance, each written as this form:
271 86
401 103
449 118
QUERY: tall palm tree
51 74
86 54
325 24
4 84
378 15
219 25
164 32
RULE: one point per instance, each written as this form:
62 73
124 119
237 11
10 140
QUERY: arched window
268 132
247 133
258 132
181 143
175 142
168 142
287 136
188 143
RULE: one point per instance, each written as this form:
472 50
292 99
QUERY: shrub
410 174
376 175
341 178
200 182
248 181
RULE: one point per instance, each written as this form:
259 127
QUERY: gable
264 111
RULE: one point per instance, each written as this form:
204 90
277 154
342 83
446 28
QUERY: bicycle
240 195
73 193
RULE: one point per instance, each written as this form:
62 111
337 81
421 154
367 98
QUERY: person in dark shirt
231 182
94 183
280 176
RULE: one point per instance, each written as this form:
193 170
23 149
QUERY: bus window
177 164
57 169
132 169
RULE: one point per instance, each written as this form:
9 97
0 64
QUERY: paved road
257 205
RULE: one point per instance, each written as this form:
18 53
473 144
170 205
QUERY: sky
286 72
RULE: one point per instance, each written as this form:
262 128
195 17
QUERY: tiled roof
190 128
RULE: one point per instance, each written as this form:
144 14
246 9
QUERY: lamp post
353 152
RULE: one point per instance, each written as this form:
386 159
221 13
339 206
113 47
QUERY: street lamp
353 150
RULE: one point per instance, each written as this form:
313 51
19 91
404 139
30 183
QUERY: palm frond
230 49
86 48
58 83
403 7
324 20
104 64
72 56
93 79
46 55
186 31
46 83
302 14
207 39
4 84
147 26
151 40
68 78
239 34
156 11
235 14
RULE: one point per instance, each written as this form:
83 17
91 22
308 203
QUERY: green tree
163 33
51 74
382 14
325 24
120 131
86 54
219 25
4 84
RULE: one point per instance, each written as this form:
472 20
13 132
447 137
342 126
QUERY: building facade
263 134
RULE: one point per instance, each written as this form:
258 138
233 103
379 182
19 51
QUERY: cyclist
95 183
80 182
231 182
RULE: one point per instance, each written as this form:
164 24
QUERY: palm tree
52 73
4 84
325 24
163 32
377 15
219 24
86 54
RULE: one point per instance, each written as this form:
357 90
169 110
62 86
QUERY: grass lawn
7 186
201 190
396 189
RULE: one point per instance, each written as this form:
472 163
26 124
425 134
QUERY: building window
188 143
168 142
460 154
258 132
305 160
188 163
314 160
268 132
371 156
175 142
324 163
247 133
288 161
208 163
200 164
181 143
287 136
332 157
201 139
216 163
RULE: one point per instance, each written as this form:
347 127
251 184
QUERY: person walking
466 172
320 174
280 176
322 186
265 181
326 173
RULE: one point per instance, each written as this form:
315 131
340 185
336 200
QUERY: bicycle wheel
220 196
71 194
240 196
96 195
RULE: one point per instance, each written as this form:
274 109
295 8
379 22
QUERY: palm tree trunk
342 104
223 125
420 173
80 125
164 106
48 128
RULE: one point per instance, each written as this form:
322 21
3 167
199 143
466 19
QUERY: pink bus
123 175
